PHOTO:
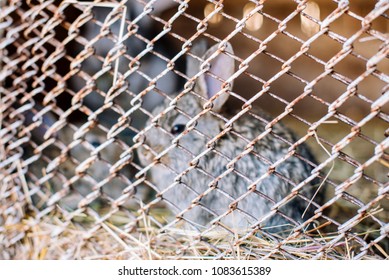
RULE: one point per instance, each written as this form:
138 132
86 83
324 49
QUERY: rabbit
76 164
193 190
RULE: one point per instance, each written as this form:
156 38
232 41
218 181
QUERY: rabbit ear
222 66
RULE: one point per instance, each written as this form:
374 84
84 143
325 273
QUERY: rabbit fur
193 190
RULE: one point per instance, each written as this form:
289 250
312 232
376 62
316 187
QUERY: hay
52 237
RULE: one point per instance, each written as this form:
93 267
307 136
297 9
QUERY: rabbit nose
147 153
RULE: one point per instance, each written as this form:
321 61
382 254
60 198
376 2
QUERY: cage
174 129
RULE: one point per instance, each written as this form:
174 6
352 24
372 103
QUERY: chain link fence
172 129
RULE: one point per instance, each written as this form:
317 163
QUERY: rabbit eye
178 128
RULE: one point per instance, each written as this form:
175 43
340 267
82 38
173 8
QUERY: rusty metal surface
79 84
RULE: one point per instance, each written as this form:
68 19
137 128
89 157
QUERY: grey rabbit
193 190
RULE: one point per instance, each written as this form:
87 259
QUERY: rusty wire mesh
104 155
